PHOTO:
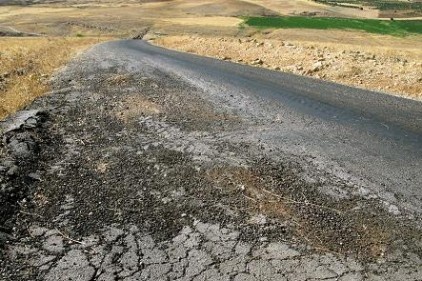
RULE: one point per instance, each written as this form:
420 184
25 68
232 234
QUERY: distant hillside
388 8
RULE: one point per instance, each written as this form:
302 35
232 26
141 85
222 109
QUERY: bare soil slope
307 7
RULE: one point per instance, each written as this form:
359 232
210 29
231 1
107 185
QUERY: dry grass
206 21
26 65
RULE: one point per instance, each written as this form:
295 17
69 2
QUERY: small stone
317 66
30 123
13 171
393 209
34 176
263 239
257 62
20 71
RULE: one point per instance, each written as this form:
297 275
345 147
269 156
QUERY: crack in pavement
177 260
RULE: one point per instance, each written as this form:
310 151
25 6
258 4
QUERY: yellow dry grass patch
102 167
210 21
8 11
27 63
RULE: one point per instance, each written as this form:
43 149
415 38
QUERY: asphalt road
149 164
373 136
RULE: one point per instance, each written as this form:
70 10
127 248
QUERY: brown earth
305 7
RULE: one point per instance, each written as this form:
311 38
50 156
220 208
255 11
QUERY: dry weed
26 65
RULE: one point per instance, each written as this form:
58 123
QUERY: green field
390 27
379 4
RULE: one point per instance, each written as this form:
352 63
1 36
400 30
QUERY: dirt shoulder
379 63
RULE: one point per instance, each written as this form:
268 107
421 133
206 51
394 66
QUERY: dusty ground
129 173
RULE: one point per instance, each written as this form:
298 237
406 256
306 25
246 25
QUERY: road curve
374 136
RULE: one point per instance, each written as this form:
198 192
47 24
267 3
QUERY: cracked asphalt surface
148 164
